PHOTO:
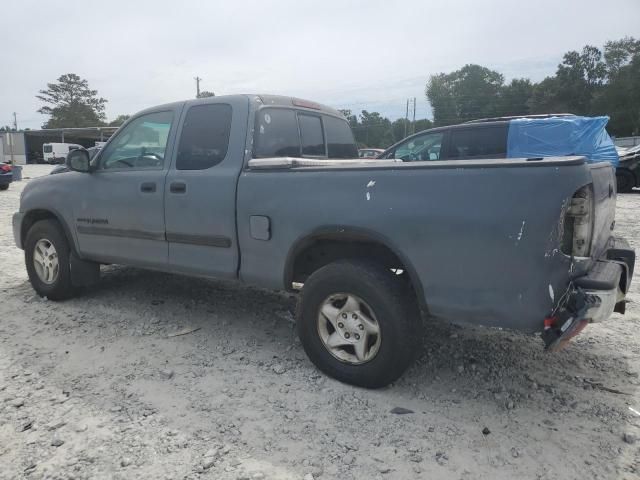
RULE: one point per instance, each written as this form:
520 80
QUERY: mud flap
569 321
83 273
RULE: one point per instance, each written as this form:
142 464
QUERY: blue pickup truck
268 190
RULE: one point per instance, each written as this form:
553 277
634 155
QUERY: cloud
350 54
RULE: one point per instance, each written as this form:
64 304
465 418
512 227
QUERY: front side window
420 148
311 136
141 144
205 137
276 134
340 141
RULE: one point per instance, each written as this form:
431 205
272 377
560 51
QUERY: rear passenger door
200 192
477 142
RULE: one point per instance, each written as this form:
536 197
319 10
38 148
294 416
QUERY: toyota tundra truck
268 190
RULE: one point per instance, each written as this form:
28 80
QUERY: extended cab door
200 193
118 207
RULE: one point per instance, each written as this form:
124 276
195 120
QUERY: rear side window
289 133
488 142
340 141
205 137
276 134
47 149
311 135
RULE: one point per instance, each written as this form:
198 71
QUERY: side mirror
78 160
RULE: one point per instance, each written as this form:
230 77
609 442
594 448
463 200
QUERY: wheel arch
35 215
330 243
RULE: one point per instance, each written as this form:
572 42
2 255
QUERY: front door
200 193
120 215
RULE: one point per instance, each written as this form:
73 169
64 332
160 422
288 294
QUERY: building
25 146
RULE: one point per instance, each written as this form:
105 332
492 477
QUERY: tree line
587 82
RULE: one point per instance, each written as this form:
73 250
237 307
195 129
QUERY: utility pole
406 118
15 121
197 79
413 127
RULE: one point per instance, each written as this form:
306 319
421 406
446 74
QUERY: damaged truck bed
262 189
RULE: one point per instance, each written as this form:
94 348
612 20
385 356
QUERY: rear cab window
286 132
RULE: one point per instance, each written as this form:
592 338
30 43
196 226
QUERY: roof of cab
259 100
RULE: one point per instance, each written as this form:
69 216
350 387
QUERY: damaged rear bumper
593 297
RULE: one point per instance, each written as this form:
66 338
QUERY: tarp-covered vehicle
536 136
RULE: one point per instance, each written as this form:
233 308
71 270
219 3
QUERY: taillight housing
5 168
578 223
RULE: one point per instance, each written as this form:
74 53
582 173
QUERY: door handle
147 187
178 187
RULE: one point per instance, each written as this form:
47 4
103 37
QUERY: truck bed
480 236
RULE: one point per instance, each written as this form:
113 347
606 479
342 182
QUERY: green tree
466 94
205 94
620 98
71 103
618 53
119 120
580 78
373 130
514 97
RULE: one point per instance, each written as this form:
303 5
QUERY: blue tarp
571 135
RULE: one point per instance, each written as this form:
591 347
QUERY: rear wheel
46 254
358 323
4 186
625 181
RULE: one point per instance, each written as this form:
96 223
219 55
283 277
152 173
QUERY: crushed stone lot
151 375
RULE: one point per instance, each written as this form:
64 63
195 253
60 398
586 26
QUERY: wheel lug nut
354 316
347 335
360 327
344 315
357 336
340 325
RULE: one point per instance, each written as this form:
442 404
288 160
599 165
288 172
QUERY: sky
359 54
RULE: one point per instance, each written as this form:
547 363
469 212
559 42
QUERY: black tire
62 287
395 309
625 181
4 186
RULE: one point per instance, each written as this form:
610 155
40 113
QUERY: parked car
92 151
628 170
193 187
57 152
533 136
370 152
6 175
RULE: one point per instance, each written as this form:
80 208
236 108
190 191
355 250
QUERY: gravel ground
101 387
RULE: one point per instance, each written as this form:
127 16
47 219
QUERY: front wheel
358 323
46 254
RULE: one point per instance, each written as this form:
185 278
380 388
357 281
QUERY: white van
57 152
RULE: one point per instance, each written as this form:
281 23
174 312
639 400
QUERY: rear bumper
6 178
592 297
